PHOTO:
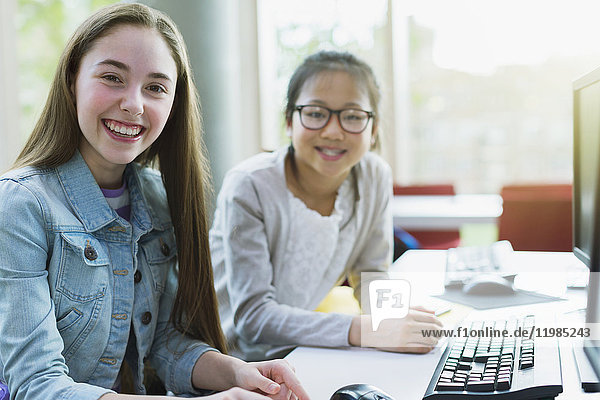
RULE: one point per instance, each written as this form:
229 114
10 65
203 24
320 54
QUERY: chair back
537 217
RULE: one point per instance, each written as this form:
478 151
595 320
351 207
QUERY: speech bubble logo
389 299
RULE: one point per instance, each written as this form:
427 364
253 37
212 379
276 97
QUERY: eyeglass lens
351 120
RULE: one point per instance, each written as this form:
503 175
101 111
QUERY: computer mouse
488 284
360 391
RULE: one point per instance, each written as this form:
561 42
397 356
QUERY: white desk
406 376
445 212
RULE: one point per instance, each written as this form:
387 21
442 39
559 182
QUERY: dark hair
178 153
333 61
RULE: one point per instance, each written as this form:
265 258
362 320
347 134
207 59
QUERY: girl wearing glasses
292 224
97 268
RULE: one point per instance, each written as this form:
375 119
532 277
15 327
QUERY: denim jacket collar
88 201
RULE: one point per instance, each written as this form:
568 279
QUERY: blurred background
476 93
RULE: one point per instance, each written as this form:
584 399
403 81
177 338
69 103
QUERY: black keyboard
487 366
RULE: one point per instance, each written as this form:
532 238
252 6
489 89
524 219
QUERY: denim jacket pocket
80 278
160 252
68 320
82 282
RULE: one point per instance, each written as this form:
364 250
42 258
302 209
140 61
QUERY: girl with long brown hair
104 260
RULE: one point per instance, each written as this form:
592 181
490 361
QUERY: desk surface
445 212
406 376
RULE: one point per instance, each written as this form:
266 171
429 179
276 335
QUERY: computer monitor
586 153
586 195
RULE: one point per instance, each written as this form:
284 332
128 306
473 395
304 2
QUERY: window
43 28
488 83
491 89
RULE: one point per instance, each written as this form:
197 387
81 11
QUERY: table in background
439 212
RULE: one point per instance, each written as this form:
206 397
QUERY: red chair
423 190
442 239
537 217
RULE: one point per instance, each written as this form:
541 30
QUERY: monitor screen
586 152
586 195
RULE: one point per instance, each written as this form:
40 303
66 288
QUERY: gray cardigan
262 313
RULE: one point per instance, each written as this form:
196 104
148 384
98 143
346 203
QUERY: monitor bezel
591 347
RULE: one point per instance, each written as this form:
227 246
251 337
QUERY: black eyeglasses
352 120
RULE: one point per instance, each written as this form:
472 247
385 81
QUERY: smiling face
330 153
124 92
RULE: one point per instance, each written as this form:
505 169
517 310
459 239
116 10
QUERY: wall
9 105
221 39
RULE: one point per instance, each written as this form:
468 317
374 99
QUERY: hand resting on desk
402 335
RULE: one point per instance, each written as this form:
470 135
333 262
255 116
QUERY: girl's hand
237 379
404 335
235 394
276 379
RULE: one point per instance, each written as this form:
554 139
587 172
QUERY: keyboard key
503 384
504 375
449 386
447 374
460 380
526 363
505 370
465 366
475 375
483 357
481 386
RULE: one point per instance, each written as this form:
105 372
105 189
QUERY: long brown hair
178 153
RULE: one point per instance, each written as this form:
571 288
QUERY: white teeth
123 130
331 152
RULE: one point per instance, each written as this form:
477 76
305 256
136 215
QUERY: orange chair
431 239
537 217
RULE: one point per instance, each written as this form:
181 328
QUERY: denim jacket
74 277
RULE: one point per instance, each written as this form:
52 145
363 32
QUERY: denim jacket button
137 277
90 253
165 249
146 317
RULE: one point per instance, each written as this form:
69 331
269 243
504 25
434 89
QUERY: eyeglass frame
370 115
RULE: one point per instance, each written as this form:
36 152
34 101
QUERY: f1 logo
389 299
